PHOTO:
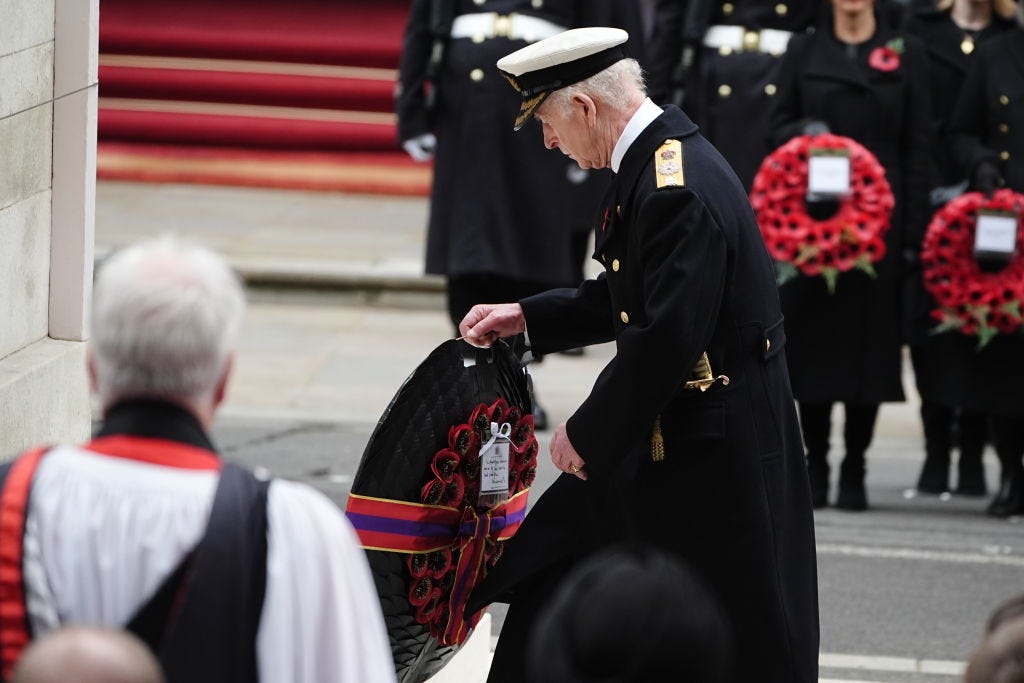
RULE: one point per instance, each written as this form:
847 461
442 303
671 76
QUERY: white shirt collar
647 112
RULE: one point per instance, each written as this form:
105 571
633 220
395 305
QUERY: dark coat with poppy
501 204
988 120
728 95
686 272
846 346
943 362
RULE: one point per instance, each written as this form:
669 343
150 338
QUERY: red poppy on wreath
454 481
851 239
970 300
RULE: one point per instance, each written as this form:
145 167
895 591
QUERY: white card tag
828 174
494 469
995 235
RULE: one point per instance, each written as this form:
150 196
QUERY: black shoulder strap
206 615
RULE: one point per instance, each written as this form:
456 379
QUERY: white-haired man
226 576
689 438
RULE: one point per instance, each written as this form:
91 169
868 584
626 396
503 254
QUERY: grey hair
615 86
165 316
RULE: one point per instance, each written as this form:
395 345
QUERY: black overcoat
988 120
500 203
846 346
686 272
730 92
943 363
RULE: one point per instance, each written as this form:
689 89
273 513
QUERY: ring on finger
574 468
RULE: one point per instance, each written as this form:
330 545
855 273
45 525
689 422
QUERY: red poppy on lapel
884 59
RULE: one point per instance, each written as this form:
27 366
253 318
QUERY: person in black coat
730 87
987 129
689 438
951 30
506 220
846 346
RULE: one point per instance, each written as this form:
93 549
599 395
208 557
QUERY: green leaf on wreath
805 252
784 272
950 322
831 275
1012 309
985 334
980 313
863 264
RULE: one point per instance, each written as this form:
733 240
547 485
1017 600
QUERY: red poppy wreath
441 579
852 238
977 303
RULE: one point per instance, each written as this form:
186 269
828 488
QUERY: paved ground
904 588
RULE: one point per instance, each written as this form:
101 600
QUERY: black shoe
817 473
1010 498
540 417
934 477
578 351
971 476
852 495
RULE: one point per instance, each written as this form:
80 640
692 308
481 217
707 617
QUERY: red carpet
244 92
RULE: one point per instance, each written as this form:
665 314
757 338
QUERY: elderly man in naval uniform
689 438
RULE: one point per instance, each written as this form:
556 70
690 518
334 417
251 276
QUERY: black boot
937 422
852 495
970 466
1009 499
817 471
1008 436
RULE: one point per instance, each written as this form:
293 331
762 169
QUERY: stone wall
48 67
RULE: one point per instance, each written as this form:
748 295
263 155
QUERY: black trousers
858 429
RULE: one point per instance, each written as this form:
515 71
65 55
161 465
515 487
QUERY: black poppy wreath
852 238
975 302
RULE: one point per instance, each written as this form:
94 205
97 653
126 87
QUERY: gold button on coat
770 90
727 8
615 265
1004 155
725 50
1004 100
1003 128
624 316
781 9
477 74
724 90
537 4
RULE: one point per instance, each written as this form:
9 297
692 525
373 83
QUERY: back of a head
87 655
1000 657
165 315
628 615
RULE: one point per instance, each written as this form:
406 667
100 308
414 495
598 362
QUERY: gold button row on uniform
781 9
1004 155
724 90
1003 128
727 8
1004 100
624 317
615 265
477 74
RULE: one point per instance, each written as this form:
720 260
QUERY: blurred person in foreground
80 654
951 30
689 439
986 131
631 614
1000 657
225 575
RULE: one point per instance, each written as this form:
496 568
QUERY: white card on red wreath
828 174
995 235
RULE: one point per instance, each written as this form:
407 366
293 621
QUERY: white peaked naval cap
541 68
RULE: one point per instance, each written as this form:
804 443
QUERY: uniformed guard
689 438
718 61
506 219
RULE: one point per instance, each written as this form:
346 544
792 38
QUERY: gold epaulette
668 164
